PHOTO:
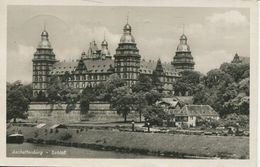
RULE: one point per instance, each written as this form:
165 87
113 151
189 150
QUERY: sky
214 34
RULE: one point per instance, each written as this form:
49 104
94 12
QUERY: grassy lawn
209 146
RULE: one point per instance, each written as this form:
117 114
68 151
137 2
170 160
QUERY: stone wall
98 112
42 112
103 112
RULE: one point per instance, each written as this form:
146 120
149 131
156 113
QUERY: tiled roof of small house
99 66
170 101
196 110
184 100
60 68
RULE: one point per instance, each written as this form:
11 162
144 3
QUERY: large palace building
97 65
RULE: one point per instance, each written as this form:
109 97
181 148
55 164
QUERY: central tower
183 59
127 58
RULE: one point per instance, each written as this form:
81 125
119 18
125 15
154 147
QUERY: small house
190 113
58 126
169 103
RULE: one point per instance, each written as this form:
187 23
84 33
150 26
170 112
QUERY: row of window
132 64
47 57
128 75
183 60
39 86
126 69
39 78
40 72
40 67
123 52
42 63
128 46
44 51
86 77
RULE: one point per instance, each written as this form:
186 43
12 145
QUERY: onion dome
127 27
104 49
183 46
44 43
183 37
104 43
127 37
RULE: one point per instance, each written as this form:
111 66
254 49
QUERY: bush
236 120
207 123
66 136
40 141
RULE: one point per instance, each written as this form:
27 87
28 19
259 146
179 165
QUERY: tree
152 96
144 84
155 115
218 79
123 101
156 81
236 120
237 71
111 84
101 92
59 91
87 95
54 89
17 100
140 104
187 83
225 89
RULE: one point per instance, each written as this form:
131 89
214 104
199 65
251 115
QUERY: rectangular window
77 77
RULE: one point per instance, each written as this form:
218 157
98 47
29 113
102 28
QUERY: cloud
153 49
230 17
212 59
84 34
19 64
71 53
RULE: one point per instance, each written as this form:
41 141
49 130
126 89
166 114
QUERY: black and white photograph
129 82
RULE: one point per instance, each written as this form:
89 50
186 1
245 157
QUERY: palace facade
97 65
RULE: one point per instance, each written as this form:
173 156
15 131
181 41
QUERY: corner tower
127 58
183 59
43 60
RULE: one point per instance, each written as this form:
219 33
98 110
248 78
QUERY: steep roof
241 59
147 67
196 110
62 67
99 66
105 65
245 60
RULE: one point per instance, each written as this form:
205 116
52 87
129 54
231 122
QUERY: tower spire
44 25
127 17
183 26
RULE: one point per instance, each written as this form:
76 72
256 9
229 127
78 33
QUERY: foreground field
228 147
